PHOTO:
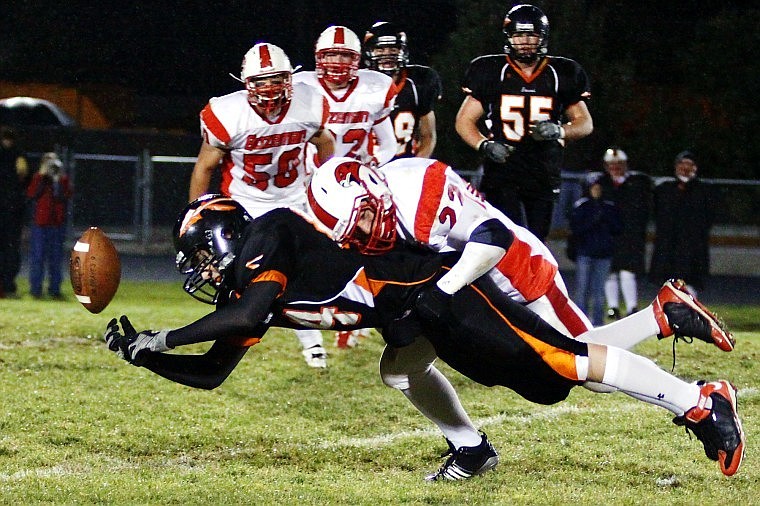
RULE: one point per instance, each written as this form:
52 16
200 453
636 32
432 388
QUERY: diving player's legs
410 369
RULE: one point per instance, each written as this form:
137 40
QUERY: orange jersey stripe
529 78
561 361
275 276
245 342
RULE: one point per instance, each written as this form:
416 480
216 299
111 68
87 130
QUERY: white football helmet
339 193
615 155
267 75
337 55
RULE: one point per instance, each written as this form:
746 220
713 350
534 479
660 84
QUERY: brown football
94 270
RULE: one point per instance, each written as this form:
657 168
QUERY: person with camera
49 192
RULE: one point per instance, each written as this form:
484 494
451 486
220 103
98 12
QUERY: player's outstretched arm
206 371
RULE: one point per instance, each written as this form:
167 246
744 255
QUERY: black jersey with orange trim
513 102
420 89
306 281
486 336
323 285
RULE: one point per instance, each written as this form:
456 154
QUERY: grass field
80 426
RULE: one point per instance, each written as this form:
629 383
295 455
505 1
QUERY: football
94 270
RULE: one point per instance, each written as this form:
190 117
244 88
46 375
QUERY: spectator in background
49 192
631 191
594 223
683 217
14 177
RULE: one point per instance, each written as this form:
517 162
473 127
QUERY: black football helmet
526 18
379 37
206 235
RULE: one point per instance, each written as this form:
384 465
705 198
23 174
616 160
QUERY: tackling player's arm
324 141
208 160
427 136
485 247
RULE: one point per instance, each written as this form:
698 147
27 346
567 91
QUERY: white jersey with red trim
264 165
368 100
441 210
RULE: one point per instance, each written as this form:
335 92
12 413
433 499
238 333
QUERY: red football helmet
337 55
267 75
340 194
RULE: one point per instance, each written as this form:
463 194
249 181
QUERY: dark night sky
188 47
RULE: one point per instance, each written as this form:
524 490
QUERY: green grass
77 425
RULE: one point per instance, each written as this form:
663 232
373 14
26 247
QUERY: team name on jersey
348 117
271 141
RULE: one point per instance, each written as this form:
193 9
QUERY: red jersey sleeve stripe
427 209
325 111
392 92
214 125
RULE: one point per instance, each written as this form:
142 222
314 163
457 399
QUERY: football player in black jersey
262 274
385 50
533 103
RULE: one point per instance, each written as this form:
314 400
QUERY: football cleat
679 313
316 356
717 426
346 339
466 462
613 313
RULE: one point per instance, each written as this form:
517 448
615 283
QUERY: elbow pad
494 233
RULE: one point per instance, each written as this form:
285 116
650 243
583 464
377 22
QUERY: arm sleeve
205 371
487 245
239 319
386 141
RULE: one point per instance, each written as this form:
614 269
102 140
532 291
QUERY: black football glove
116 341
546 131
432 303
495 151
403 330
131 345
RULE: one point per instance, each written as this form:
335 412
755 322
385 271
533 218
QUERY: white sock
626 332
309 338
628 288
611 288
432 394
639 377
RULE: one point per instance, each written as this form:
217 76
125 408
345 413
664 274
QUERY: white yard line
547 413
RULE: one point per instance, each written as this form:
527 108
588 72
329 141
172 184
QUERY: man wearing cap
683 217
631 191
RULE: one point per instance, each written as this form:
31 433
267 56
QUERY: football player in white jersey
360 100
258 138
434 207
